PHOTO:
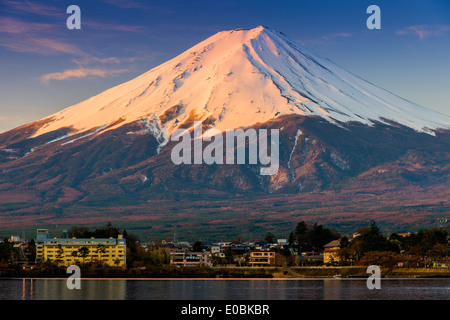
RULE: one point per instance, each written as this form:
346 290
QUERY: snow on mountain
239 78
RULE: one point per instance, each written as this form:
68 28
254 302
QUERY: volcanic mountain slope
337 131
236 79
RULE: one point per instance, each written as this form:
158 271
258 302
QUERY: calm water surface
208 289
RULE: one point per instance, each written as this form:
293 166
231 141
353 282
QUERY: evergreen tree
269 238
301 236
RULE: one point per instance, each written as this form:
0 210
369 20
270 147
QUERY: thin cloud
127 4
35 8
89 60
42 38
113 27
147 57
80 73
110 60
16 26
425 31
326 39
337 35
20 36
43 46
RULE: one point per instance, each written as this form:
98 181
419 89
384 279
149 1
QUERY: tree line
420 249
369 246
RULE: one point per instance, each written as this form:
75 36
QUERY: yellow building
111 251
331 251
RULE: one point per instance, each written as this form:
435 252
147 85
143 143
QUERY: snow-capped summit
239 78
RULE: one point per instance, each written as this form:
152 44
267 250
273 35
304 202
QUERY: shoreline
236 273
226 279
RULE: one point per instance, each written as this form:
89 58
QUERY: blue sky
44 67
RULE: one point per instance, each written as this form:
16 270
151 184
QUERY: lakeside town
308 251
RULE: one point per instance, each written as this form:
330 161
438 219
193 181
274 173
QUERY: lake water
229 289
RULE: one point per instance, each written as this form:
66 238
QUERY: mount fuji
340 137
238 78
